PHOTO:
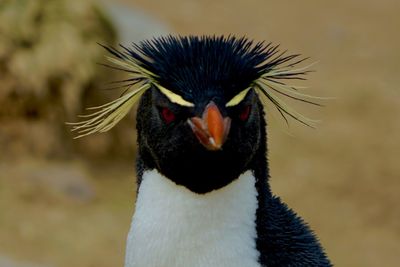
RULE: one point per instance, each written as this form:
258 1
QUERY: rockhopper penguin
203 194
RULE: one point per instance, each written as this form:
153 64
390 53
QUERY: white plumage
174 227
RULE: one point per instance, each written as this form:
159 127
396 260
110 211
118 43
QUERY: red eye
244 113
167 115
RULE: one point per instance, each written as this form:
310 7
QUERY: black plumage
204 71
200 68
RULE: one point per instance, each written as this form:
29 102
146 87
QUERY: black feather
190 65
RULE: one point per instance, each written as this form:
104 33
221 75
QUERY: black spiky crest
187 65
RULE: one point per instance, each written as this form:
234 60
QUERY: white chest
174 227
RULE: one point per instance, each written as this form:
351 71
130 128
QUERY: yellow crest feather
238 98
174 98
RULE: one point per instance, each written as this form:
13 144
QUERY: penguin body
187 230
203 177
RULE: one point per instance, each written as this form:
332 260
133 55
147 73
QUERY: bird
204 197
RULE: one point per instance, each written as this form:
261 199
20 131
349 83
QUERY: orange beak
212 129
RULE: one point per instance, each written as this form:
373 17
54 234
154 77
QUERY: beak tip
212 141
213 145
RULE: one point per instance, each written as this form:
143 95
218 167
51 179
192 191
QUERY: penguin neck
213 229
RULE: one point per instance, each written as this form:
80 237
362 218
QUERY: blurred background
66 202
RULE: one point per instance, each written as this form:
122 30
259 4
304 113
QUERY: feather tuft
106 116
189 65
275 70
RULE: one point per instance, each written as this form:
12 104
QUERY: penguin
203 197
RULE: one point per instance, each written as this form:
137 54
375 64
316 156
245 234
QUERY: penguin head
203 147
200 126
200 120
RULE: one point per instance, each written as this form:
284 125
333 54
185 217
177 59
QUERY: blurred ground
343 178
